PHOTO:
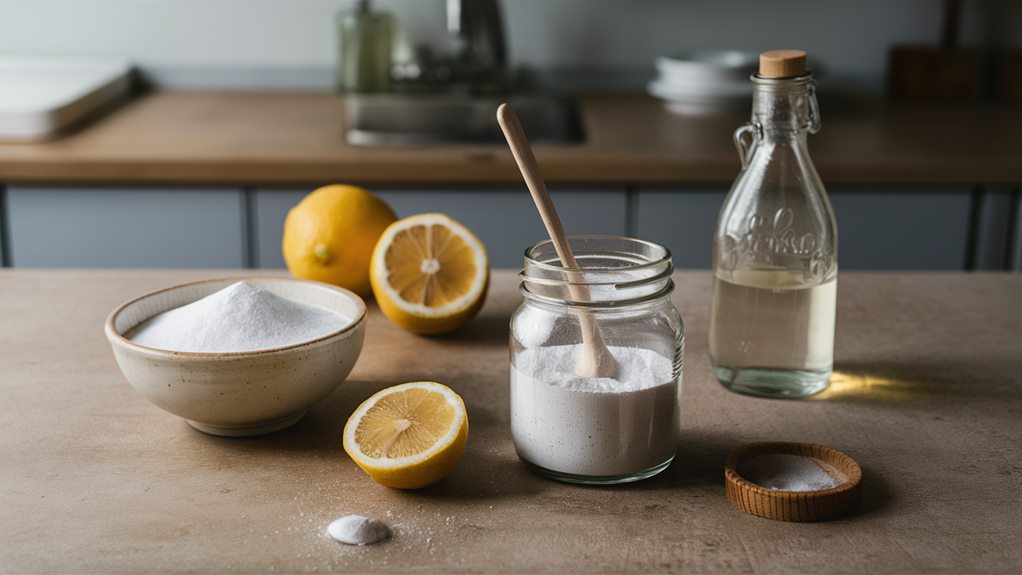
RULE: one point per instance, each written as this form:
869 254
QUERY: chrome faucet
480 58
478 27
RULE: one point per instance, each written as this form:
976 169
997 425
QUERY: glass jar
597 430
775 253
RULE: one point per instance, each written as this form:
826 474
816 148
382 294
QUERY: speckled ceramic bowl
239 393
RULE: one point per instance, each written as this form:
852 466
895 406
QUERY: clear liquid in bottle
771 333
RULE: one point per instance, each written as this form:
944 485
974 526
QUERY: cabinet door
5 256
878 229
1015 251
125 227
899 229
505 220
682 220
992 249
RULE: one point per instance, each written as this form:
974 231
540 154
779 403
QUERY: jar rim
636 271
530 261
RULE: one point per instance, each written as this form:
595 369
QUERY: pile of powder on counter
786 472
240 317
358 530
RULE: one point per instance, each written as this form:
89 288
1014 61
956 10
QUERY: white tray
42 95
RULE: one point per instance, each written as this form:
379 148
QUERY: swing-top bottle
775 249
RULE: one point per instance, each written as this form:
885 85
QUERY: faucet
478 28
480 57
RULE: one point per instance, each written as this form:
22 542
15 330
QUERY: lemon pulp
430 265
403 424
429 273
408 436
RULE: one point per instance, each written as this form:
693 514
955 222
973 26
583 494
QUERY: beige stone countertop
280 138
926 397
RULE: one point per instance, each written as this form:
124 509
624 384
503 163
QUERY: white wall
850 38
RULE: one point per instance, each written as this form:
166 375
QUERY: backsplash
285 43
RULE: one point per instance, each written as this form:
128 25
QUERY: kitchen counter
297 138
927 397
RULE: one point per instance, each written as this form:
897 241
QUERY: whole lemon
330 235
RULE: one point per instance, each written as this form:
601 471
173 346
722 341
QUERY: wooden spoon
595 359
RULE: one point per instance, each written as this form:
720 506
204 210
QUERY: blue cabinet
1015 251
898 229
5 257
878 229
952 228
125 227
684 220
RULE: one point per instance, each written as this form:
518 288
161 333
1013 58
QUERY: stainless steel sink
393 120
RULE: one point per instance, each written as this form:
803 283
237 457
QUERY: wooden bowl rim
832 456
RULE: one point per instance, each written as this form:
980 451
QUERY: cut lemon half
429 274
408 436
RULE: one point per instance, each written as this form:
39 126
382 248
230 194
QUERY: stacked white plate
705 81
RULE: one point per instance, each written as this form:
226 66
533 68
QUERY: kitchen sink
414 120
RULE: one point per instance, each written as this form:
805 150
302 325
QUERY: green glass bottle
365 44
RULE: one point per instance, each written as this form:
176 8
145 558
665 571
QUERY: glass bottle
775 248
365 50
597 430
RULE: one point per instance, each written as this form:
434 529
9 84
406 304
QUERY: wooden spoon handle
527 164
595 359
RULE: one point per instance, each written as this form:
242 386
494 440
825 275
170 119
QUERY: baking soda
786 472
238 318
358 530
593 426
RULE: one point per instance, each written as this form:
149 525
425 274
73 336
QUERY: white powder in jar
240 317
593 426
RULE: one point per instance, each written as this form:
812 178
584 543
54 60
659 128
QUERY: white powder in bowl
240 317
358 530
593 426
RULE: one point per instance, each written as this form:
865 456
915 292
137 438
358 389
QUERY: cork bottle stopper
782 63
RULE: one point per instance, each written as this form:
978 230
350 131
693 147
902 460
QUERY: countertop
926 398
266 138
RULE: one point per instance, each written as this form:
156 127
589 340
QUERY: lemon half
408 436
429 273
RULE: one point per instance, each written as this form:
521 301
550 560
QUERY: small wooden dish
802 506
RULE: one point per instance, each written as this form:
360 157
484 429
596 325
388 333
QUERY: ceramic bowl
708 68
703 102
239 393
703 82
